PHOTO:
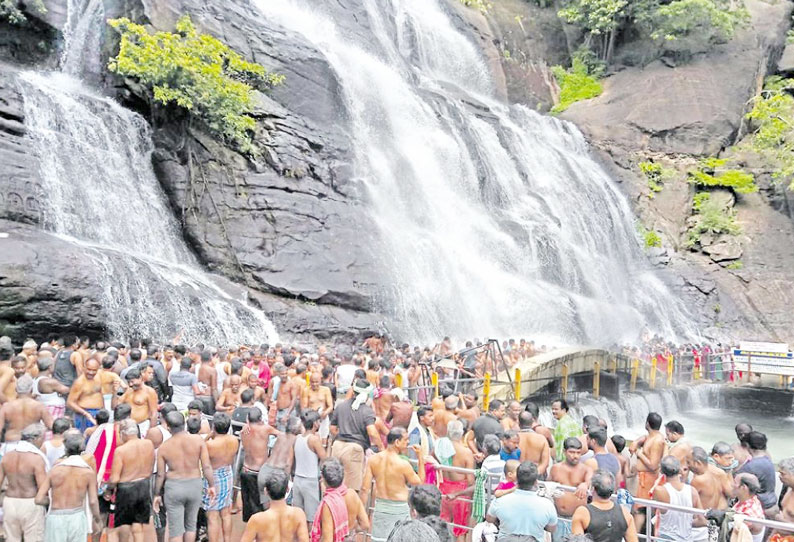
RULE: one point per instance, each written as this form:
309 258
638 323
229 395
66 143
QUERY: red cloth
430 474
263 372
458 510
334 499
751 507
99 452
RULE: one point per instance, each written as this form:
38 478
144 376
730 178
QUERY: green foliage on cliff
196 72
772 121
482 5
575 85
650 238
679 26
711 172
711 218
656 175
694 24
11 11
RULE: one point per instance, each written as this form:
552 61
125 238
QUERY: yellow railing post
614 363
517 384
398 380
308 378
670 368
653 374
597 379
564 380
635 369
486 392
434 382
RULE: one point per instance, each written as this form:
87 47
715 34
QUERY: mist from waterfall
101 194
494 221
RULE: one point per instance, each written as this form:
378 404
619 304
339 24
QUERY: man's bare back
182 454
222 450
283 453
710 486
17 414
254 440
534 447
281 523
24 472
133 461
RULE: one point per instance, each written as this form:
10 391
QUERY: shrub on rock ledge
196 72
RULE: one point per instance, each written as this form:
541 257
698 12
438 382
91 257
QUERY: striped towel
478 499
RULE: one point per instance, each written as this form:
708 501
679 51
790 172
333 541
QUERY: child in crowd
509 483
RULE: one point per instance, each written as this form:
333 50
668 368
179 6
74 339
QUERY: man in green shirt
566 427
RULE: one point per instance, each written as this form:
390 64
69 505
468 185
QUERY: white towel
26 447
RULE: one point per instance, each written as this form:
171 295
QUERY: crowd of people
138 440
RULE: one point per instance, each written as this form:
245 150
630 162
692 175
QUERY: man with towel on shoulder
25 469
70 487
353 427
393 474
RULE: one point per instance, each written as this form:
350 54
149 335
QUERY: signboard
764 358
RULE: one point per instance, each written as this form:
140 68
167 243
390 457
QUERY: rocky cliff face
675 114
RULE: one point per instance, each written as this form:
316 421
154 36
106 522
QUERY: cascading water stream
493 220
101 194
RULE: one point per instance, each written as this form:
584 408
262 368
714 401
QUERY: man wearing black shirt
353 427
488 424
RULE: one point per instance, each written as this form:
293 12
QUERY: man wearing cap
353 427
21 412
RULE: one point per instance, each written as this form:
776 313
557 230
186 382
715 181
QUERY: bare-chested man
741 451
680 448
255 438
318 398
222 447
393 475
338 504
131 472
7 378
539 428
253 383
442 417
383 399
282 457
469 410
207 383
510 420
785 470
280 523
21 412
178 461
570 472
230 396
714 486
25 469
85 397
456 508
142 399
70 482
401 409
649 450
283 394
534 446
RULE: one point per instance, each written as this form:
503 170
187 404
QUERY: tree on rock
197 72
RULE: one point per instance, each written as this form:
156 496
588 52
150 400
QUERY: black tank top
606 525
65 372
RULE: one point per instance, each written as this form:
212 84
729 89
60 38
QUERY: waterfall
83 37
493 220
627 416
101 194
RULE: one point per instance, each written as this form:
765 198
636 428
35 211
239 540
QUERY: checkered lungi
224 485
